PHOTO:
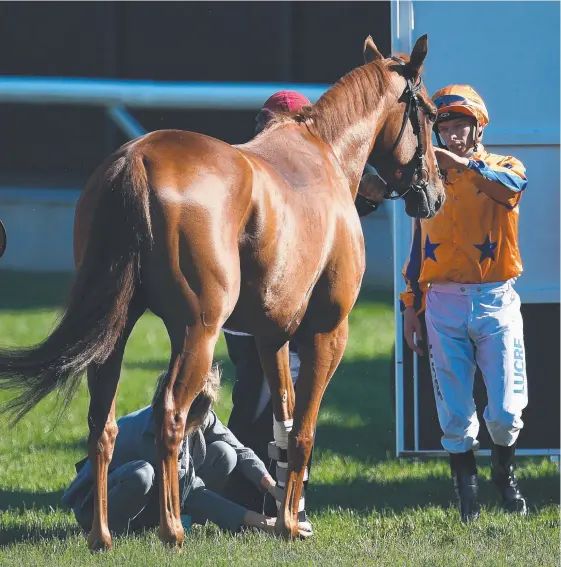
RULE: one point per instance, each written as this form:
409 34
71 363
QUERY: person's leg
204 505
129 490
253 433
220 461
452 363
247 387
500 354
239 489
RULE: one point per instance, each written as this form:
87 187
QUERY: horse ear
370 50
419 54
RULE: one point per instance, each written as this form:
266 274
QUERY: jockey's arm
503 182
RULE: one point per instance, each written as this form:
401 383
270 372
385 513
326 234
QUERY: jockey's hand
449 160
411 324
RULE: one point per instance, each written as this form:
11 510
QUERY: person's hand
260 521
372 187
448 160
411 324
277 493
268 525
269 484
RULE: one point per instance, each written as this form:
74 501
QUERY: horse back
271 222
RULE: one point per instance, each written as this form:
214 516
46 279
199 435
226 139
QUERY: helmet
290 101
286 100
456 100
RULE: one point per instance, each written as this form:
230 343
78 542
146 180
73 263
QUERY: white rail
115 96
102 92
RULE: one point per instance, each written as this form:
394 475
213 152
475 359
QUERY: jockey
461 271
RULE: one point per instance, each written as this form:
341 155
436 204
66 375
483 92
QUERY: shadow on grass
364 496
359 423
357 416
18 502
37 534
359 392
21 500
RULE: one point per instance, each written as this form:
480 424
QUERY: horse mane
345 102
339 108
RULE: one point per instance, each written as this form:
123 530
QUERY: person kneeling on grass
208 455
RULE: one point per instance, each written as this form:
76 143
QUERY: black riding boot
464 474
505 480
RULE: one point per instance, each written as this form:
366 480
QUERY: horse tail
97 307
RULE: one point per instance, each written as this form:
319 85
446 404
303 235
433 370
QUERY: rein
420 174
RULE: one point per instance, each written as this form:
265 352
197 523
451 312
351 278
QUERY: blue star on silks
430 247
487 249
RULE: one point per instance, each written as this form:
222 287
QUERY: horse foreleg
276 365
189 367
319 355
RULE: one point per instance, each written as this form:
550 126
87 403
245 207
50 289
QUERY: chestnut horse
261 237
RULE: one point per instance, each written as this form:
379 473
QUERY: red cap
286 100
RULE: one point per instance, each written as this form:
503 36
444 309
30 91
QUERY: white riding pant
469 324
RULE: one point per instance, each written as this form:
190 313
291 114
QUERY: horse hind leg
193 340
103 381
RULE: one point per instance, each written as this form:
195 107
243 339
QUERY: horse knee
304 442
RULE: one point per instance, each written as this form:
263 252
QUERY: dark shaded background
59 146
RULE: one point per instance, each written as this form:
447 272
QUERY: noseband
419 181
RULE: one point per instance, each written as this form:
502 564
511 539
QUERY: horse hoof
172 539
287 530
305 530
99 542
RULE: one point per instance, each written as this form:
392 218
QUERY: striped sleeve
503 182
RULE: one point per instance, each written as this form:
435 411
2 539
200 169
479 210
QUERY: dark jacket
136 441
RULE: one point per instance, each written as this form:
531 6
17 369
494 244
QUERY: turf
368 508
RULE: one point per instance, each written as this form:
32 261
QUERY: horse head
403 152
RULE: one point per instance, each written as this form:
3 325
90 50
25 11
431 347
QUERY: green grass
368 508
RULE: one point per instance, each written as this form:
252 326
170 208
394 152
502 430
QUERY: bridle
419 181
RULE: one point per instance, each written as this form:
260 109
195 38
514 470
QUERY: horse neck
350 124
